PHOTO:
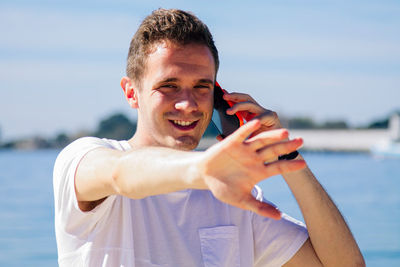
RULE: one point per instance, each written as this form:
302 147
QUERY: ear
130 92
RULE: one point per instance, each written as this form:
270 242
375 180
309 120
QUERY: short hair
179 27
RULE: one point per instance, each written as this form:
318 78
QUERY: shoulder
65 169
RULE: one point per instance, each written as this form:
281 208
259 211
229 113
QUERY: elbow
125 188
123 183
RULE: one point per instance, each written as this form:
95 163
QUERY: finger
245 106
245 131
273 151
268 117
266 138
262 208
238 97
283 166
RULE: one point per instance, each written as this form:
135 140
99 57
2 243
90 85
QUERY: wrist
194 178
298 175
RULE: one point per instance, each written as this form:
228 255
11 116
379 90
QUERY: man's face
175 101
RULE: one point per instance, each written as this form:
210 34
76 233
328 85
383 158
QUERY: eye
168 88
203 88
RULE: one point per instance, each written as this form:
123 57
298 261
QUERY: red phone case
230 103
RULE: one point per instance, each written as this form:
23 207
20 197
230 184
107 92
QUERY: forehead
170 57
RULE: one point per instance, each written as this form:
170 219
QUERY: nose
186 102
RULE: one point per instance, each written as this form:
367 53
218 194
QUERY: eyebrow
211 82
169 80
208 81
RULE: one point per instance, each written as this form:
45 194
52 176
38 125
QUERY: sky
61 61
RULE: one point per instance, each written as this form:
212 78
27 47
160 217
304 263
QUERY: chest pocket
220 246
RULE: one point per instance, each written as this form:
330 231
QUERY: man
152 201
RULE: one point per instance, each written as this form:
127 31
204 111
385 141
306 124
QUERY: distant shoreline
315 140
318 140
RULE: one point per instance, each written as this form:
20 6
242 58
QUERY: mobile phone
226 124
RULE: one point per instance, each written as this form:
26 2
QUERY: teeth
183 123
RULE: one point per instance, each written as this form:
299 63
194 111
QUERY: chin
186 143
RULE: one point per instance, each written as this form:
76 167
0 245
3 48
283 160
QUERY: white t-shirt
184 228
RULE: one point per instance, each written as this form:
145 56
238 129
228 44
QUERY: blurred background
330 69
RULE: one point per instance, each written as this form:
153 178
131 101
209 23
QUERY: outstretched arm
331 242
229 169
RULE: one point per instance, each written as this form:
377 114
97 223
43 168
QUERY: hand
231 168
249 109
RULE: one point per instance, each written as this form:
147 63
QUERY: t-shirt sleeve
68 215
276 241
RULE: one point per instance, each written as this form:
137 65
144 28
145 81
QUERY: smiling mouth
184 125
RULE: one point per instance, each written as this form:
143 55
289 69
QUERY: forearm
136 174
156 170
329 234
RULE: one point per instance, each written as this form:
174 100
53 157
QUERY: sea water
366 190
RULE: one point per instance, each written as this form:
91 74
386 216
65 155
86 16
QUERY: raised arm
331 242
229 169
329 234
